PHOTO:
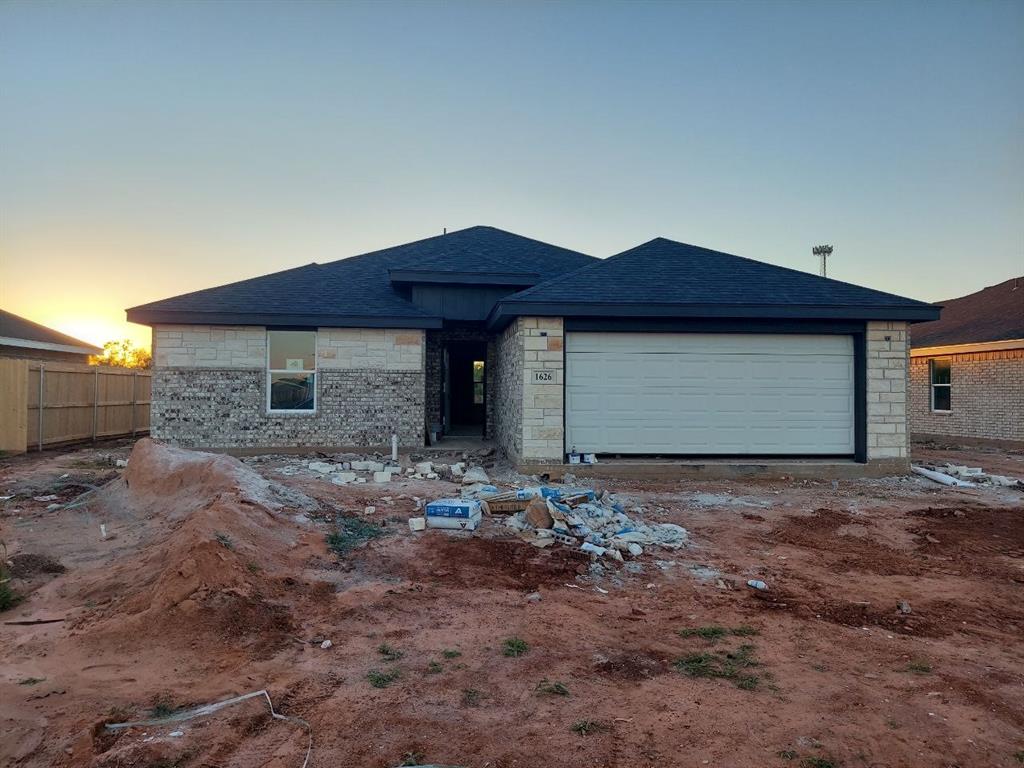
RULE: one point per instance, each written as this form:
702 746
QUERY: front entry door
466 403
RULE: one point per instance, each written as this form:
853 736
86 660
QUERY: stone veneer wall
210 389
435 341
543 403
508 390
887 351
986 396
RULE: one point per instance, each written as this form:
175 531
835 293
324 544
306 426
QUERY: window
941 385
478 382
291 371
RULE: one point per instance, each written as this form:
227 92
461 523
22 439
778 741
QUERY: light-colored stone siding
209 346
530 412
887 349
986 396
543 403
210 389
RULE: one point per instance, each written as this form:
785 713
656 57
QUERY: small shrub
31 680
1019 756
379 679
554 689
715 633
515 647
587 727
413 757
919 667
8 597
817 762
433 668
351 532
224 540
471 697
388 653
788 754
449 653
162 707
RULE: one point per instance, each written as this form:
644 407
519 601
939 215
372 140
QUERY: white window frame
316 376
932 385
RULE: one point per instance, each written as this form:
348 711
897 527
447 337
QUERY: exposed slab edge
722 470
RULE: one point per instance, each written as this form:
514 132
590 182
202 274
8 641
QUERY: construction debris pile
356 471
963 476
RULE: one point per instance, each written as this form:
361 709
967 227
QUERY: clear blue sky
147 149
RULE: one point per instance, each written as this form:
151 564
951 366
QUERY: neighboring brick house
967 369
20 337
666 349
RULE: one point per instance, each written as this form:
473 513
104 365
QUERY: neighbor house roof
366 290
17 331
664 278
993 314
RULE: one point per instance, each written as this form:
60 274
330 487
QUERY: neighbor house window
940 385
291 371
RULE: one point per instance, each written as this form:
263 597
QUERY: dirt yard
892 632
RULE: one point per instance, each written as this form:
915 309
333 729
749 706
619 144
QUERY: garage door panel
709 393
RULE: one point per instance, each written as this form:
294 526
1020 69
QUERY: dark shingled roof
359 288
995 313
667 278
16 327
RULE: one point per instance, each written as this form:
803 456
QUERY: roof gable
995 313
22 332
671 279
358 290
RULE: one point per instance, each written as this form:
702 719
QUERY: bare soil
213 583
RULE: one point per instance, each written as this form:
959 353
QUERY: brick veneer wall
986 396
435 341
887 348
210 389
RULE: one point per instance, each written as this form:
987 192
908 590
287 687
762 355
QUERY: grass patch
728 665
8 597
817 762
379 679
31 681
413 757
224 540
162 707
714 633
788 754
587 727
552 688
434 668
919 667
450 653
1019 756
515 647
388 653
471 697
351 532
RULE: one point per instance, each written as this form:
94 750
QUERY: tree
123 354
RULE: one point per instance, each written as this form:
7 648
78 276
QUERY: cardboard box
454 523
459 508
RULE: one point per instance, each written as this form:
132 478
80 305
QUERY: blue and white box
454 514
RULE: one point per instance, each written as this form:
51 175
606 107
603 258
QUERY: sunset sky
148 149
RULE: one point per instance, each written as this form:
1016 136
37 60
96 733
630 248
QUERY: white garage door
709 393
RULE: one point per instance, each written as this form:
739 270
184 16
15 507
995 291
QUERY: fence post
135 376
42 394
95 403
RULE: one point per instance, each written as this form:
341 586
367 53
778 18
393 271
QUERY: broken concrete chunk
417 523
475 475
322 467
382 477
458 469
369 510
424 468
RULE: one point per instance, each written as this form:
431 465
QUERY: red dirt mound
222 559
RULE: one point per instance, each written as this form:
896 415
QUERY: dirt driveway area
891 633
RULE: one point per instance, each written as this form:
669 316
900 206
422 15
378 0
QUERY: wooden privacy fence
44 404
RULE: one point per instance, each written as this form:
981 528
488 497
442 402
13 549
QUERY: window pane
940 371
292 350
291 392
478 370
940 401
478 394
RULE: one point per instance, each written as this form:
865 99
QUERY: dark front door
467 391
